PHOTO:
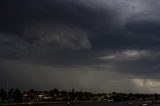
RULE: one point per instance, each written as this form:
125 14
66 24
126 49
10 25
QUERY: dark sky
91 45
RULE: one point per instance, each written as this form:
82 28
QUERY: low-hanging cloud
92 45
58 36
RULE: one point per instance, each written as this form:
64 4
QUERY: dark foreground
89 104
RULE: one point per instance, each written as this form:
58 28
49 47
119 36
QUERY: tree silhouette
3 94
17 96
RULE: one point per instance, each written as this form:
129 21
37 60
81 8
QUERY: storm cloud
87 45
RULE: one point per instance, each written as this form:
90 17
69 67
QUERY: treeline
58 96
17 96
13 95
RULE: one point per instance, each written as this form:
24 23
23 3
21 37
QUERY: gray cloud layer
88 45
